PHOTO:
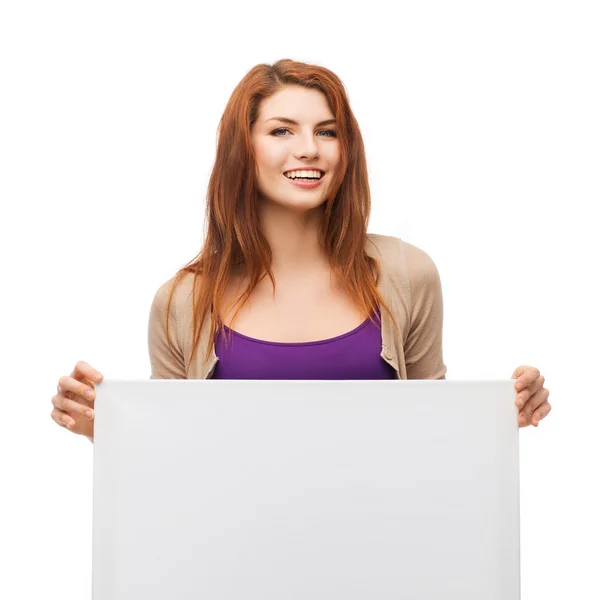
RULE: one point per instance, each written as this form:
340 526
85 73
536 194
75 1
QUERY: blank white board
306 490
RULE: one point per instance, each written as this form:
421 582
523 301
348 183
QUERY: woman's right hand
71 406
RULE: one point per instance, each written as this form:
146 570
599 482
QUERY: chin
295 204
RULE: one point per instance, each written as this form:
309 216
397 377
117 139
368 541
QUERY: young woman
317 296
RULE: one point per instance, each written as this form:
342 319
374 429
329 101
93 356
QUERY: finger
83 369
77 397
62 418
76 387
540 413
72 407
524 396
535 402
525 376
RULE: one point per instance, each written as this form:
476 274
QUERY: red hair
234 235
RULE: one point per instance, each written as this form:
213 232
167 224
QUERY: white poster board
306 490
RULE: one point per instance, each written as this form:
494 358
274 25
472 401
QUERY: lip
309 185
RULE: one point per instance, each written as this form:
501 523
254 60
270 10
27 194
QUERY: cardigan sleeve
166 363
423 348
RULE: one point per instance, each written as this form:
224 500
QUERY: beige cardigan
409 282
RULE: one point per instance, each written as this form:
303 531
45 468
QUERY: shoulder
181 295
401 259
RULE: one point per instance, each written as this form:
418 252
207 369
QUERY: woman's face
282 146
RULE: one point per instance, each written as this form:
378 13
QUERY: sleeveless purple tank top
352 355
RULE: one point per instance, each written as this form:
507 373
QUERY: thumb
519 371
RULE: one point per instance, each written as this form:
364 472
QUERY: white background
482 130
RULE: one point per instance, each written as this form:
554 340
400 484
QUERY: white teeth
315 174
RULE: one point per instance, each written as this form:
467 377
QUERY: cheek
334 158
269 175
269 158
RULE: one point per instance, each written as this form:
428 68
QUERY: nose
306 146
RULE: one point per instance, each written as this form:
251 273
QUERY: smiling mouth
305 178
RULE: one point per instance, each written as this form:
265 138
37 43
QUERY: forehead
296 102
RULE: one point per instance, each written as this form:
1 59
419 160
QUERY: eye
331 132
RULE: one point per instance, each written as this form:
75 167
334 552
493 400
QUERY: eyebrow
292 122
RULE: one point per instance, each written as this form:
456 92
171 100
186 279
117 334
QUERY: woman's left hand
532 397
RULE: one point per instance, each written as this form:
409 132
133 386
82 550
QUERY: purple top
352 355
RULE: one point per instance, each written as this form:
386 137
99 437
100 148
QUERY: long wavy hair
234 236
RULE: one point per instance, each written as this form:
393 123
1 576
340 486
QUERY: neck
294 240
